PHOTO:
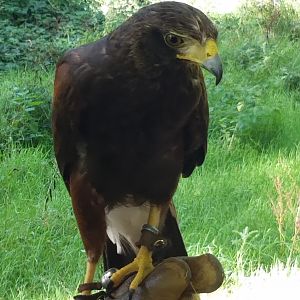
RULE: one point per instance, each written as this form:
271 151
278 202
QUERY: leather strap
150 235
89 286
97 296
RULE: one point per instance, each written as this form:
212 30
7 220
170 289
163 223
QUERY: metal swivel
106 278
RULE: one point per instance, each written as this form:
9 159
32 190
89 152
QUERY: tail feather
111 258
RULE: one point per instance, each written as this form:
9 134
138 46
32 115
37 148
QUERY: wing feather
74 73
195 135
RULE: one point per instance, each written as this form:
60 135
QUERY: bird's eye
173 40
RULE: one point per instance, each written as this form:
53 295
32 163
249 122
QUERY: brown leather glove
176 278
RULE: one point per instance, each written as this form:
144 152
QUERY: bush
291 79
27 117
25 106
244 113
223 113
249 54
37 32
259 125
120 10
258 93
273 17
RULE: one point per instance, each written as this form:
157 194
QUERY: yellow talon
142 264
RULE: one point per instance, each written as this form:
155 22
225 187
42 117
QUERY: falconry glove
176 278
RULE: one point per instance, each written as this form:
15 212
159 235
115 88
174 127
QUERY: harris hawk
130 116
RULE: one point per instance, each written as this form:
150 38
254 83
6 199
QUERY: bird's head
172 31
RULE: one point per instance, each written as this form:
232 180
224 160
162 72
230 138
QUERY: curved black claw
131 292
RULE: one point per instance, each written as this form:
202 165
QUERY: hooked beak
214 66
206 55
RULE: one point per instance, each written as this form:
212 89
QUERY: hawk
130 117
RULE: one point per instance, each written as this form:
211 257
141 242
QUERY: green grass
41 250
224 208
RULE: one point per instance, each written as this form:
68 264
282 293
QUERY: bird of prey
130 117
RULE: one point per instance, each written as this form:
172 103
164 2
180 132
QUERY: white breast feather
125 222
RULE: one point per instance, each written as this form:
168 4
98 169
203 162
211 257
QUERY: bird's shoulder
84 62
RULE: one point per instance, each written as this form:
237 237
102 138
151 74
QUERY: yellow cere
211 48
199 53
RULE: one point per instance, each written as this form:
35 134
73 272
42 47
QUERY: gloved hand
176 278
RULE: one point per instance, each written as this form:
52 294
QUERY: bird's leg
90 271
89 275
89 209
142 264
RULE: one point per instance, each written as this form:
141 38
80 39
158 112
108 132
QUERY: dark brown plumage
130 116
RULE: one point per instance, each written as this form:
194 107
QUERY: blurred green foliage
120 10
273 17
259 97
37 32
25 108
256 102
29 106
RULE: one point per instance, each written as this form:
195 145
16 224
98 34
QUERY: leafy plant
291 79
273 17
259 125
249 55
37 32
27 116
223 114
120 10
